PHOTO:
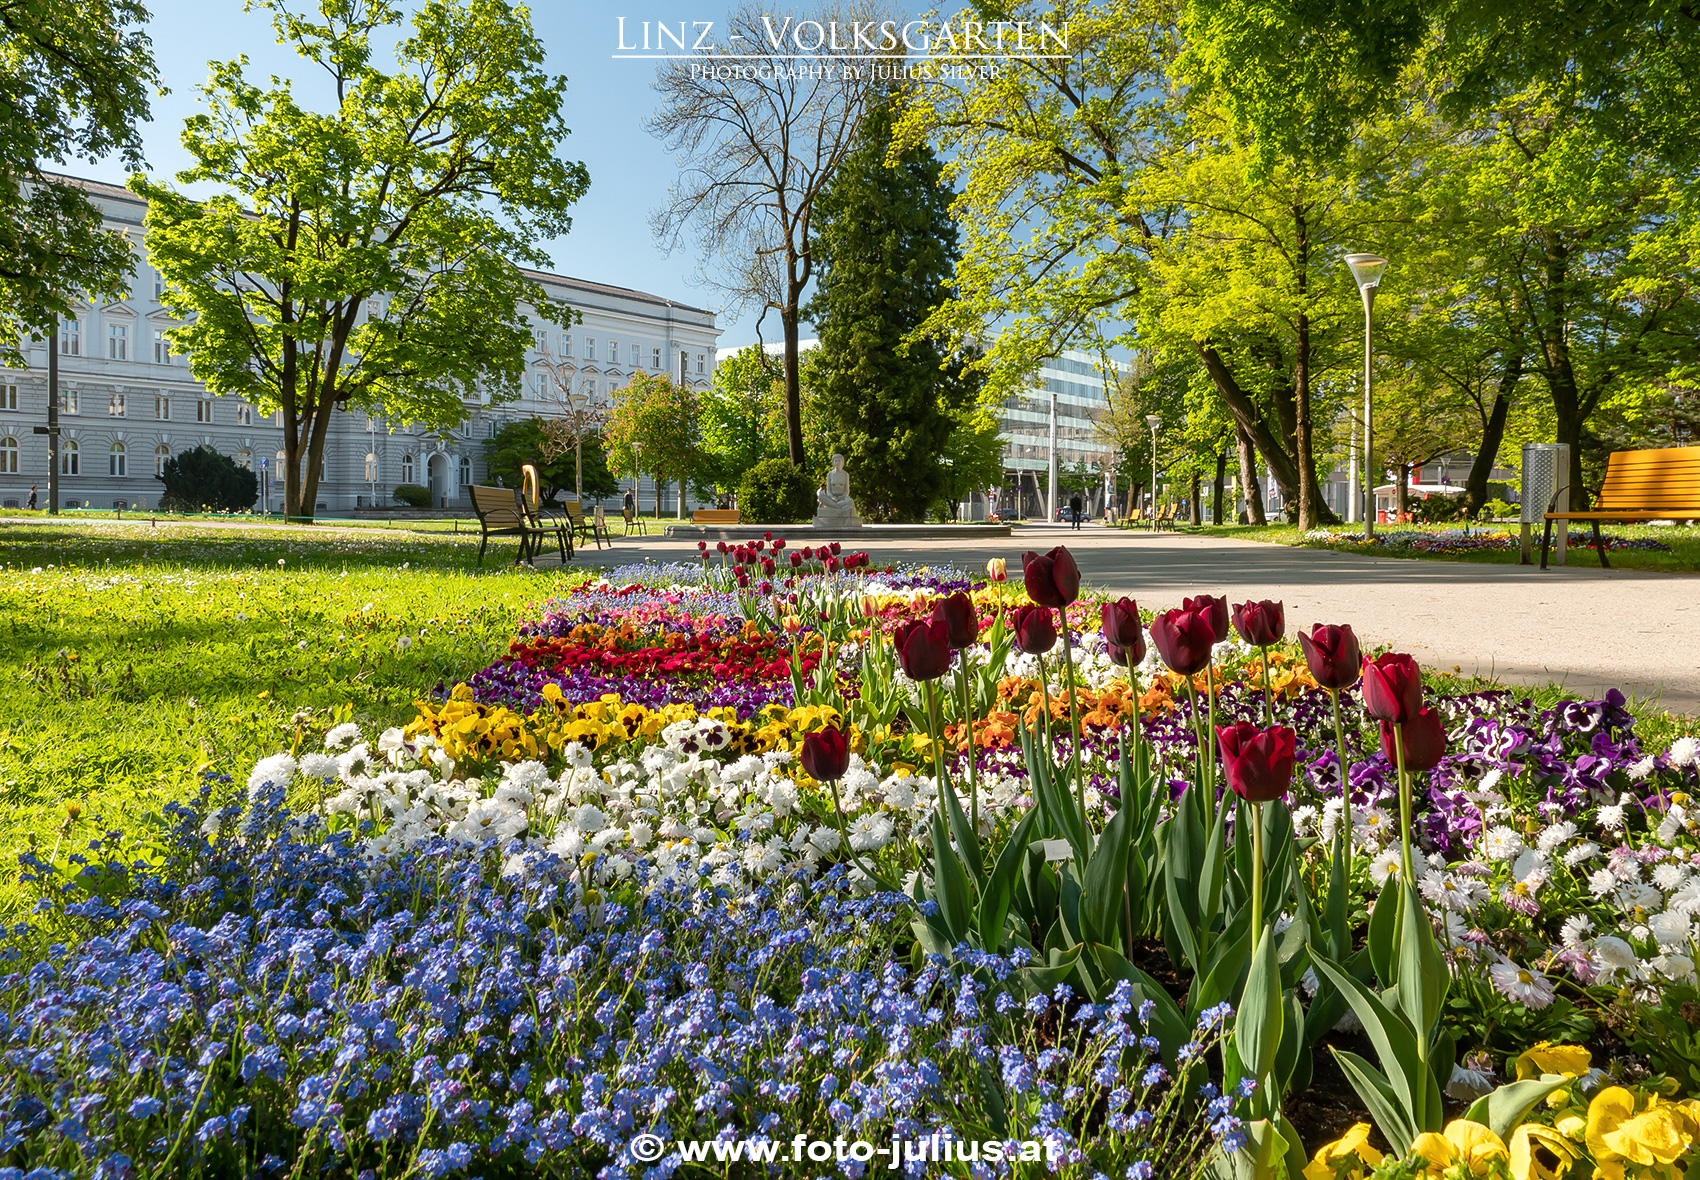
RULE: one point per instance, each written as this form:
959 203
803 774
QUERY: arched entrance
442 484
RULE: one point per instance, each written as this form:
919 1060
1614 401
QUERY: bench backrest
714 516
497 508
1659 480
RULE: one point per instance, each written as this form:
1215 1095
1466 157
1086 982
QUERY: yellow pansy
1659 1135
1434 1151
1475 1146
1568 1061
1540 1153
1572 1126
1351 1148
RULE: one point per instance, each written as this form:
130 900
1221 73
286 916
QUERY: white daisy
1559 833
1670 929
1640 771
1587 850
1384 866
1670 876
1502 843
1523 984
1576 928
1684 751
342 735
1602 882
1610 817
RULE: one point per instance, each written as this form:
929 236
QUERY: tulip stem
1210 732
1268 705
1075 735
1256 875
1045 716
1138 727
1345 778
968 731
938 739
1404 804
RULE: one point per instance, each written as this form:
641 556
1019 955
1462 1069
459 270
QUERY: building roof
117 192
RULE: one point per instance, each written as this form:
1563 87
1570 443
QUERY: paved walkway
1587 628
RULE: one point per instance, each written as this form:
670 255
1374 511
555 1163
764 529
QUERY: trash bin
1546 469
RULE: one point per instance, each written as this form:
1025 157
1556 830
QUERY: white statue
834 508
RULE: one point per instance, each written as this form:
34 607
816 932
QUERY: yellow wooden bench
588 528
1658 484
714 516
501 514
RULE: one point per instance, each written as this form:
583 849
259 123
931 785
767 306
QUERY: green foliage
775 492
887 248
369 258
412 495
972 461
1668 1035
735 411
656 427
204 478
74 81
527 441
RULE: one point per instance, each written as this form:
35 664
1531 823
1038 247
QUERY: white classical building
126 404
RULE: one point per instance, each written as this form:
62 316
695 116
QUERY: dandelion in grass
1523 984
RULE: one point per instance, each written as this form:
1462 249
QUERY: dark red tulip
702 546
766 587
720 545
1393 687
1184 639
1331 654
1035 629
832 565
767 536
1259 761
837 548
1425 741
767 566
1260 623
796 560
826 755
1215 610
1052 578
1122 632
957 613
923 649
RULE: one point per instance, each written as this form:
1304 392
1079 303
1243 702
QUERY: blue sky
607 103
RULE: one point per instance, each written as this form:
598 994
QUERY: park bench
542 518
714 516
1165 516
1658 484
501 513
634 523
588 529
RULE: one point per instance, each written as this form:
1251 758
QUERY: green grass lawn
1684 554
134 657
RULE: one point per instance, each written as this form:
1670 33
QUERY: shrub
207 478
775 492
412 495
1436 508
1500 510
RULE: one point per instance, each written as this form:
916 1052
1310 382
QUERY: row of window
117 461
613 351
118 405
117 343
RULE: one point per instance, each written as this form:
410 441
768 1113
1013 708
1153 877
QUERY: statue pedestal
838 520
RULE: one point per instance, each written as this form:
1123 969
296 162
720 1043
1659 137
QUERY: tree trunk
1493 433
1249 420
1311 508
1402 493
793 366
1197 505
1217 489
1568 411
1250 490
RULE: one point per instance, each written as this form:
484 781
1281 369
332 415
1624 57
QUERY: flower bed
1444 542
882 816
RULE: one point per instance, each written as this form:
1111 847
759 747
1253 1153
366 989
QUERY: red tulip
1425 741
837 548
1332 655
796 560
767 566
779 544
766 587
702 546
1184 639
1215 610
767 536
826 755
1259 761
1393 688
1260 623
720 545
923 649
1035 629
1052 578
1122 632
957 613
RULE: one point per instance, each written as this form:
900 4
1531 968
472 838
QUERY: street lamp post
576 402
1367 270
1153 421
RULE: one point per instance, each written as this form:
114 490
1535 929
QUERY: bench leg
1600 546
483 540
1546 540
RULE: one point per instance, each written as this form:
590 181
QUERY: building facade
127 403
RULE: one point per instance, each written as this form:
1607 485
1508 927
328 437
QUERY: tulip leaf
1212 871
1060 964
951 887
1339 902
1000 887
1394 1041
1178 889
1293 1057
1378 1098
1257 1024
967 839
1383 932
1504 1108
1422 976
1104 883
1442 1056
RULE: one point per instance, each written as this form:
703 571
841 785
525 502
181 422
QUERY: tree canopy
368 257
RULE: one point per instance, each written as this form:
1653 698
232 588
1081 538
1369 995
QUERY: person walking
31 504
1074 508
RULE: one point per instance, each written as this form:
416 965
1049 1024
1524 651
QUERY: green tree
74 82
204 478
972 461
886 250
656 427
368 258
735 430
528 440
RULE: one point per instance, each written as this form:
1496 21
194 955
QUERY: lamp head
1153 421
1366 270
